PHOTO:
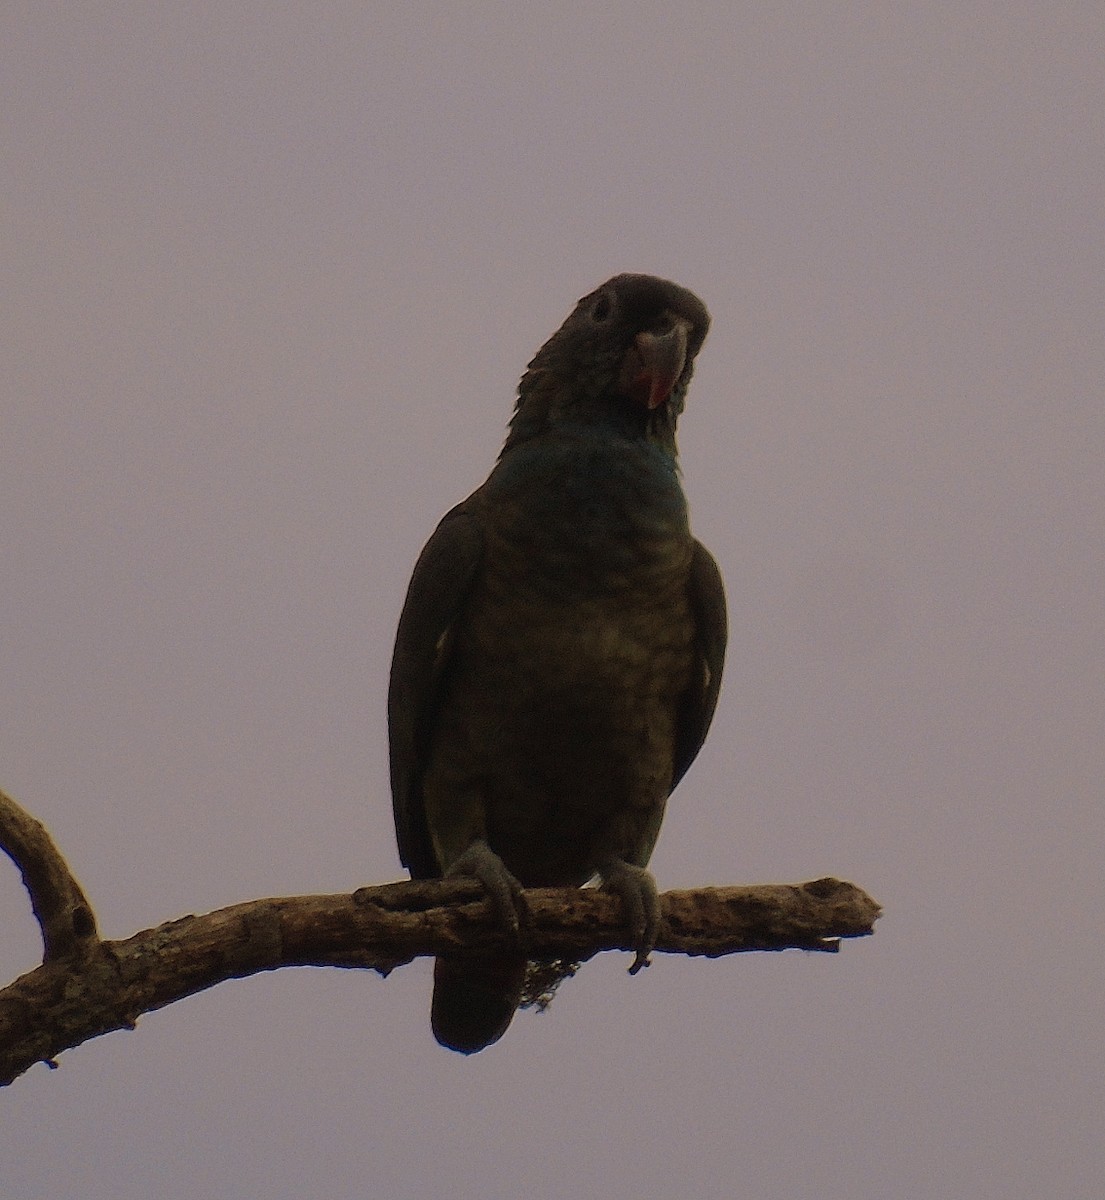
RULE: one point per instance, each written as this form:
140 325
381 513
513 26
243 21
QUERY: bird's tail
474 1001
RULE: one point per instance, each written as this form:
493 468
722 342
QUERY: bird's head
622 360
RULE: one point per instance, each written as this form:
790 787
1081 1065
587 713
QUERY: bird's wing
707 595
438 589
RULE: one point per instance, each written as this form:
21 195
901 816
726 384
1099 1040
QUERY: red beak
654 363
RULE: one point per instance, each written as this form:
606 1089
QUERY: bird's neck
586 479
554 412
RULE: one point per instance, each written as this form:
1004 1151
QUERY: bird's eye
602 309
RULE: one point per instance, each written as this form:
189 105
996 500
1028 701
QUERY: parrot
559 653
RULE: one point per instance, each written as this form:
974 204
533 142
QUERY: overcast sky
271 273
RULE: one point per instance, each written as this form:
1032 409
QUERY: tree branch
63 913
106 985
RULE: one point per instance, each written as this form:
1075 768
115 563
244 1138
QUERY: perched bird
560 650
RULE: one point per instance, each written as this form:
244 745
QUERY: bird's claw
641 904
508 899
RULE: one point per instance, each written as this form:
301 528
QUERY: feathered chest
586 520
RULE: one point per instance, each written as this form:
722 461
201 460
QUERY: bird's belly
557 737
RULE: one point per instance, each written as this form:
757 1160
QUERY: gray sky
271 273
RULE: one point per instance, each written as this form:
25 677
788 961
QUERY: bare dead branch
66 1002
63 913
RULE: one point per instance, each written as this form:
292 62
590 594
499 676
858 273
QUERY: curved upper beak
655 361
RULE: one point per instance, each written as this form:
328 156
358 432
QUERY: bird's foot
508 899
640 903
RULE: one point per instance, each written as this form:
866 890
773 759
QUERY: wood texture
87 987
